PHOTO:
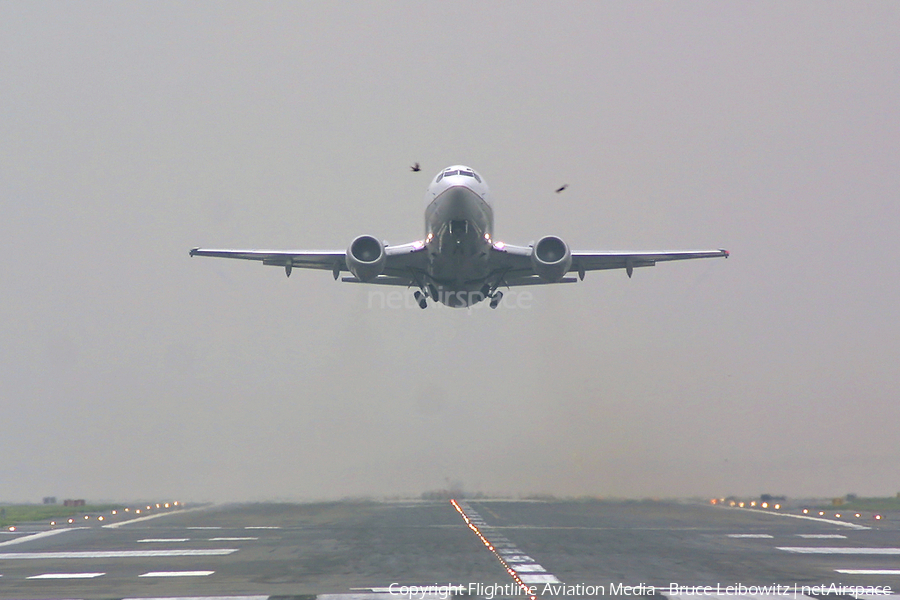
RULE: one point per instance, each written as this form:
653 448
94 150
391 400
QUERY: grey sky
132 132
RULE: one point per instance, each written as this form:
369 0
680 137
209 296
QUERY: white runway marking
539 579
750 535
180 511
232 539
822 536
162 540
529 568
205 598
114 554
262 527
811 550
197 527
67 576
37 536
177 574
868 572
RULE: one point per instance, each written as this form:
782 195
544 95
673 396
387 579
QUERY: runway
477 548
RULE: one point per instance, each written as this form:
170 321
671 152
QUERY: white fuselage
459 227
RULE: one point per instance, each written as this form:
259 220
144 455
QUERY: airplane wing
403 261
515 261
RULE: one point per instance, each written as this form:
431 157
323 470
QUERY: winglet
194 251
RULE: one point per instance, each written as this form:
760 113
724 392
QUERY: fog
132 132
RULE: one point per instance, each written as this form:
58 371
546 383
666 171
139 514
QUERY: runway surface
377 550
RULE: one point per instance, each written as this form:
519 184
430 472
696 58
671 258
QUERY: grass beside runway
28 513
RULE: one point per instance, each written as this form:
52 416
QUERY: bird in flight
562 187
415 167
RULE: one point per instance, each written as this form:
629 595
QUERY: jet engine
551 258
366 258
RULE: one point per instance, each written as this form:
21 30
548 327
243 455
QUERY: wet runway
482 548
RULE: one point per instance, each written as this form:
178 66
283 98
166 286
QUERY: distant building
49 499
73 502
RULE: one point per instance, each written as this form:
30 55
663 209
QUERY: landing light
805 511
137 511
765 505
777 507
837 515
115 512
12 528
856 515
499 246
52 523
821 513
100 518
71 520
877 517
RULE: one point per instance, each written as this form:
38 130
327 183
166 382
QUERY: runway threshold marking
530 571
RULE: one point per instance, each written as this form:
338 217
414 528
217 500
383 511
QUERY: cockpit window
451 173
439 177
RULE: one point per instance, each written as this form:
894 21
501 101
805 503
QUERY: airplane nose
458 201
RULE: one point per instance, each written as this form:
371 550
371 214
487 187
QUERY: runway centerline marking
822 536
750 535
868 572
233 539
162 540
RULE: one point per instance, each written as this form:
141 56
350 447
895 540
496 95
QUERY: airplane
458 263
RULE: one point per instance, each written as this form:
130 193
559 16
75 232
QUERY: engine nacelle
366 258
551 258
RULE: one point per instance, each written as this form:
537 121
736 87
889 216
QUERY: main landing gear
421 299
